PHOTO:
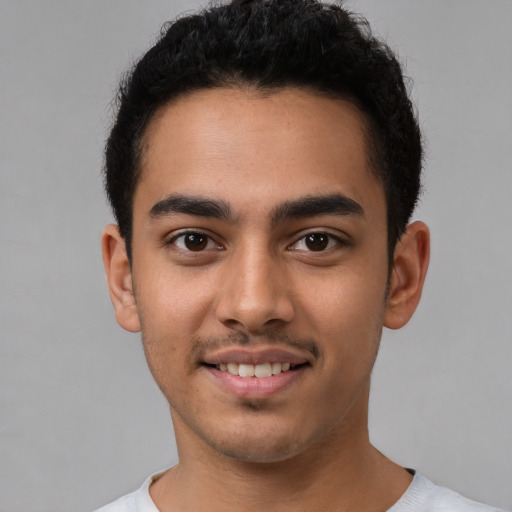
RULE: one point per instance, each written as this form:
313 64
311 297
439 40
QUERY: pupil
317 241
195 241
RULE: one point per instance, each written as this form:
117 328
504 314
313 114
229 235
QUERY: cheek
346 297
346 310
172 300
172 310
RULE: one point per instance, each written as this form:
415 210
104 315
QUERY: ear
119 278
410 263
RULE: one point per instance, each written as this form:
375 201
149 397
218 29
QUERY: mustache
242 339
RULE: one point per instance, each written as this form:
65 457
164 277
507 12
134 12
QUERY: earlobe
119 278
410 263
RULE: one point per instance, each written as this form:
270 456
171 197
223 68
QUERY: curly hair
271 44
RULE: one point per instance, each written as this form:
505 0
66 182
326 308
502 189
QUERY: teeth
246 370
263 370
233 368
276 368
260 371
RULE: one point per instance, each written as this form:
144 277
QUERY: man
263 168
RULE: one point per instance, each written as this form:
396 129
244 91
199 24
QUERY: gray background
81 420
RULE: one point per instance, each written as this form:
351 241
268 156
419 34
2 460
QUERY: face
259 247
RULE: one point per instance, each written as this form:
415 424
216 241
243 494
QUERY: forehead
243 146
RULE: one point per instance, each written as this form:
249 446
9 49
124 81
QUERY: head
268 45
263 167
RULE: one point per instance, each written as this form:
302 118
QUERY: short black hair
267 45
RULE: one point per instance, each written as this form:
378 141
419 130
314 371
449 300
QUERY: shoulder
127 503
137 501
425 496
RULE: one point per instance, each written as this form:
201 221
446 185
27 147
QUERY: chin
258 445
258 454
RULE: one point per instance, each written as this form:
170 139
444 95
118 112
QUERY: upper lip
256 355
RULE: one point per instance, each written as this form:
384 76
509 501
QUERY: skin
256 285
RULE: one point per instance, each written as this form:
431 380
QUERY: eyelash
182 236
331 242
324 242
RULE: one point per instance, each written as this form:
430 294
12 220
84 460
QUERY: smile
256 372
259 371
256 381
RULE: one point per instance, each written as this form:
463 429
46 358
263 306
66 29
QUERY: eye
316 242
194 241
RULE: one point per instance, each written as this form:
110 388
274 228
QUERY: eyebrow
312 206
309 206
191 205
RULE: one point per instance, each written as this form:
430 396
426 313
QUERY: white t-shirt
421 496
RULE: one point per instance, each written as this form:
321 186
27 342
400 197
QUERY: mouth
257 371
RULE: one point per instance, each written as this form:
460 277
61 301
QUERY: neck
341 472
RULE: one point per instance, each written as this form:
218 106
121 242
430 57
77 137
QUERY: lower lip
253 387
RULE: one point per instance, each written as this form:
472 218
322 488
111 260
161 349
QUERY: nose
255 294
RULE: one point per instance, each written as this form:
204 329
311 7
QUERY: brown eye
195 241
316 241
